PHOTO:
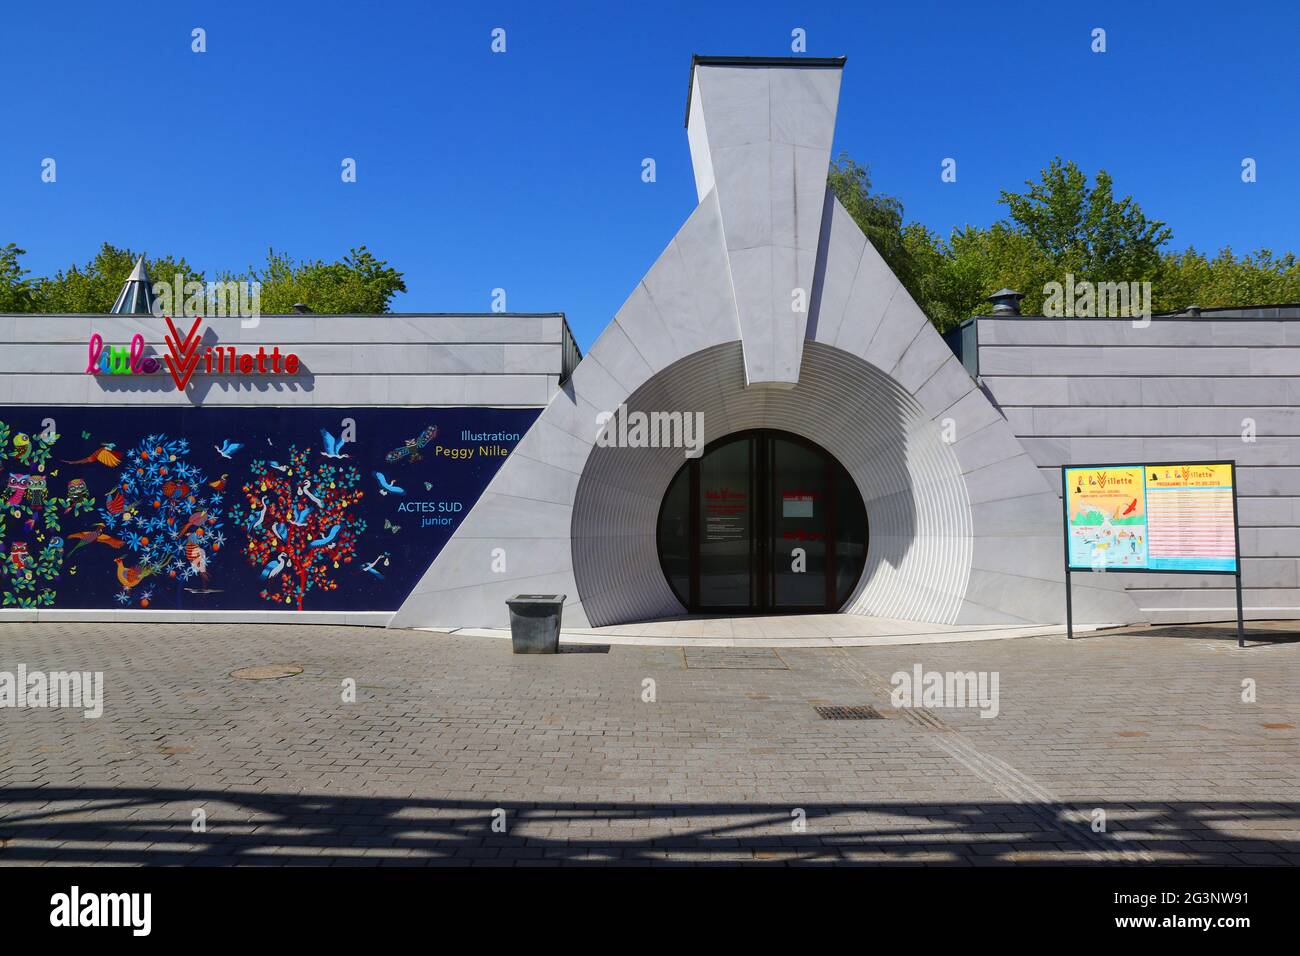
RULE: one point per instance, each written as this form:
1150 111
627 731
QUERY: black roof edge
700 58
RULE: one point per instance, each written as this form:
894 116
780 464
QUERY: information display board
1175 517
1166 517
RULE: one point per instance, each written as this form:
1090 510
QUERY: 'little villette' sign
183 357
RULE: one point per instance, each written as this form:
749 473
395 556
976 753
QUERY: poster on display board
1168 517
1162 517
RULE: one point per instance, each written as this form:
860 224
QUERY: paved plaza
1116 748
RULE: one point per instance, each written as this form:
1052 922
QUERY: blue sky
522 170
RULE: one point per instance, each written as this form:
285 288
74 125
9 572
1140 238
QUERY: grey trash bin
535 623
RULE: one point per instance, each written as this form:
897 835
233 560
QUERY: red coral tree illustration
299 526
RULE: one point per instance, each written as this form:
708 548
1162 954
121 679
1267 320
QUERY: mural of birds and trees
30 522
151 522
300 523
168 515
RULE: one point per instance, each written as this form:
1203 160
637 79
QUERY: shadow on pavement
72 826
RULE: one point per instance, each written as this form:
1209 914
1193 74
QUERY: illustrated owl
17 488
37 492
77 492
19 559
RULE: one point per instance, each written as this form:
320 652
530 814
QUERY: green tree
955 276
1061 223
1084 229
358 284
16 291
94 287
880 217
1259 278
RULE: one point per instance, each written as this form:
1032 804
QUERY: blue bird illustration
277 466
305 489
275 567
300 516
370 567
327 540
333 446
227 448
256 518
386 486
281 530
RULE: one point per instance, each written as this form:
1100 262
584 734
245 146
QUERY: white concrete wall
1100 390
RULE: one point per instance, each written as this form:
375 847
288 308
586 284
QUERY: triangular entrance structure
769 309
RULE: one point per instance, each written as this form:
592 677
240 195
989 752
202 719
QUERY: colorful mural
238 508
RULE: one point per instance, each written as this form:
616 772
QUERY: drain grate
848 712
744 658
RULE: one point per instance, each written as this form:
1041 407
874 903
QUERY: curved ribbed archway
919 558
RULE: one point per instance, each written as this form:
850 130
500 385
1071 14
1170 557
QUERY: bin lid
536 599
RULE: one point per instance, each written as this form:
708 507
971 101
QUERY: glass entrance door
798 527
763 522
727 539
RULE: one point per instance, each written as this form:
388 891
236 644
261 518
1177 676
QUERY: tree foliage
16 290
1060 224
358 284
94 287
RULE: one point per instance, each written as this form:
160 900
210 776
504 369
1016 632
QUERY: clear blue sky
522 170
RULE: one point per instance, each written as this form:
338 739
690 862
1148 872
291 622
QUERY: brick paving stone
1149 728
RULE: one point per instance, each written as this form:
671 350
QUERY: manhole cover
848 712
266 672
747 658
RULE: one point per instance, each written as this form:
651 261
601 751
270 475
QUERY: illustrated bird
281 531
327 540
114 502
104 455
386 486
175 489
196 520
256 518
17 488
227 447
300 516
371 569
22 447
277 466
305 489
333 446
19 559
197 557
130 577
94 536
1131 505
37 492
220 484
77 493
273 568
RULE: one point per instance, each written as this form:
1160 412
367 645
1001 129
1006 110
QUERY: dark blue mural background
42 569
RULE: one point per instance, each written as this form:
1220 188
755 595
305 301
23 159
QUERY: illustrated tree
33 550
299 524
166 513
